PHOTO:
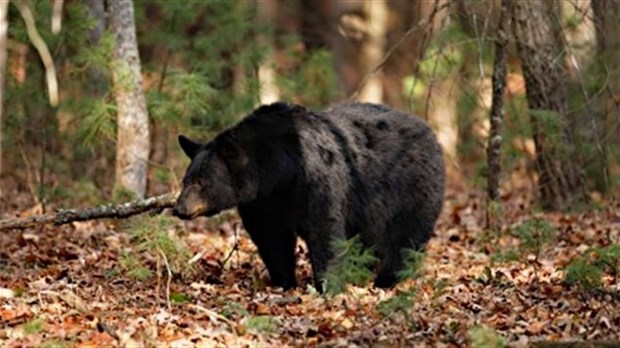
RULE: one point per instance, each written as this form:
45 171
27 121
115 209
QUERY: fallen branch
125 210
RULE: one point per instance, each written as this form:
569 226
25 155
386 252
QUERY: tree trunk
95 164
584 65
426 18
539 48
359 46
4 26
269 93
607 27
96 80
497 115
132 147
373 49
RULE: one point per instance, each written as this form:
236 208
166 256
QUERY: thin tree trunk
4 26
582 60
494 161
540 50
607 28
133 132
269 93
95 165
358 46
96 80
403 61
373 49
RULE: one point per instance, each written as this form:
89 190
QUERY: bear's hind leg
387 275
404 235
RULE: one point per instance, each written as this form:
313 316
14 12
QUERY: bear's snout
180 212
189 205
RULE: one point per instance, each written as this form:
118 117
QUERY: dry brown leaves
59 286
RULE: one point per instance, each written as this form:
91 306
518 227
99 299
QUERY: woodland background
524 97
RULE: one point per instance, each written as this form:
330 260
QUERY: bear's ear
189 146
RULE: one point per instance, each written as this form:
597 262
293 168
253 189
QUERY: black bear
352 169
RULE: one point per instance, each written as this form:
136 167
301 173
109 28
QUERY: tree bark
584 65
120 211
373 49
269 93
427 17
540 50
607 30
132 147
96 80
4 28
497 116
359 46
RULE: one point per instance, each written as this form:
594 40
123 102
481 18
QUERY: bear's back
386 140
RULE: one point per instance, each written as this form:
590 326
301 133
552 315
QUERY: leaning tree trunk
540 50
132 147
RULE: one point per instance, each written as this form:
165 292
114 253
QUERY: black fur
352 169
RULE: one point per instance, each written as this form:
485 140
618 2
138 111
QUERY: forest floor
97 283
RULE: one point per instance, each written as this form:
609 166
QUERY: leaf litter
68 286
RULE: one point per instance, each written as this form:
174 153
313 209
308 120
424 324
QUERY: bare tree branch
120 211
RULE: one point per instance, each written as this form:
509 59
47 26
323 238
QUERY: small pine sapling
402 302
583 272
587 270
534 235
352 264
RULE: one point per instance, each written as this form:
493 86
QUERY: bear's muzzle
189 205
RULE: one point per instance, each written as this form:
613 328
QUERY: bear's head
215 179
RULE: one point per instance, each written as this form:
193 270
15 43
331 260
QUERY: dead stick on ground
120 211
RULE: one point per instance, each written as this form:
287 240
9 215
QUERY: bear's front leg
275 242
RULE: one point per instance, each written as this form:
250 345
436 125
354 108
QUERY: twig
214 316
125 210
32 183
169 280
235 246
158 286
